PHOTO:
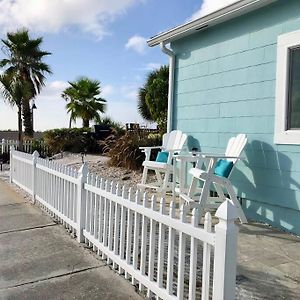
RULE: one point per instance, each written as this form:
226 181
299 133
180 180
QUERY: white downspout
171 55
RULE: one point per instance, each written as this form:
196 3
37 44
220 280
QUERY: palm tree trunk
27 119
20 129
85 123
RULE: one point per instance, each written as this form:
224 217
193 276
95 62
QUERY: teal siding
225 84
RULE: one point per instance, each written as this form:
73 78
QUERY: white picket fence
6 144
167 255
27 145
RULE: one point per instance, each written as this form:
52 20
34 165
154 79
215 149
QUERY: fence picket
101 211
161 245
96 210
193 257
111 220
152 244
123 227
129 232
206 261
106 212
171 242
136 236
70 195
117 216
181 255
144 234
91 207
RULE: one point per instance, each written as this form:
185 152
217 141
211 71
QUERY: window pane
294 90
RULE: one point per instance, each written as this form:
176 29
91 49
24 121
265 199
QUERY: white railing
164 252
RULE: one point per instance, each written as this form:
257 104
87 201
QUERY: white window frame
285 42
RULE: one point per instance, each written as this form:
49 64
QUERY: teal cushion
223 168
162 157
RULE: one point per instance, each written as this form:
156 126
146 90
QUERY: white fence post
35 155
11 165
81 205
3 146
225 252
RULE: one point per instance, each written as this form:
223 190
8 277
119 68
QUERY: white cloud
152 66
124 112
137 43
107 90
129 92
209 6
89 16
57 85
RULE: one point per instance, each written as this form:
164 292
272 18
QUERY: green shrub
124 150
70 139
40 146
117 127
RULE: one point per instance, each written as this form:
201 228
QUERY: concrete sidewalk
39 260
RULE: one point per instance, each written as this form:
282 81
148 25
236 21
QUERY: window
294 90
287 112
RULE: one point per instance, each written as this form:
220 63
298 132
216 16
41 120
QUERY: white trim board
281 134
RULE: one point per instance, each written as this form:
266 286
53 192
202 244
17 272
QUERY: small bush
70 139
124 150
116 126
40 146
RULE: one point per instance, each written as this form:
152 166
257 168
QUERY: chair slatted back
235 146
174 140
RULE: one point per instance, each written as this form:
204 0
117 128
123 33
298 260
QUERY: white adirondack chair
223 186
172 143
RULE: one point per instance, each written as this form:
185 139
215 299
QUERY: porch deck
268 263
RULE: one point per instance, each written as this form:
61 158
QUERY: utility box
101 132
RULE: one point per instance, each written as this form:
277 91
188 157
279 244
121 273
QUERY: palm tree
143 108
83 101
14 91
153 97
24 60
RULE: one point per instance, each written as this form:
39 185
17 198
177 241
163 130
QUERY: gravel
98 165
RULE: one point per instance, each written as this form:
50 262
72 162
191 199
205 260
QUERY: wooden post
81 199
35 155
225 252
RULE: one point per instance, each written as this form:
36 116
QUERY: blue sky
104 40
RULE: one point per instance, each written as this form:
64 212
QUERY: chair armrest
173 151
147 151
186 158
217 156
150 148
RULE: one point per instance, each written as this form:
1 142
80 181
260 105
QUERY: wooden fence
164 253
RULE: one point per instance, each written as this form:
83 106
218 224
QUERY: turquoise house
237 70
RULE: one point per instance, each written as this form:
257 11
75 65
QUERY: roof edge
224 14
